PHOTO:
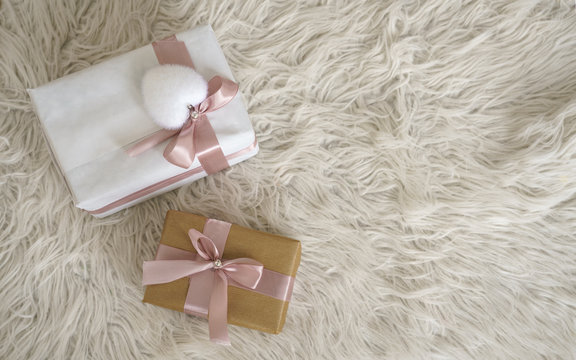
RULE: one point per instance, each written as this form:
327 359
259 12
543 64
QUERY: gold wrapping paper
245 308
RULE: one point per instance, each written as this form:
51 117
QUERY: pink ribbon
164 183
196 137
172 51
243 271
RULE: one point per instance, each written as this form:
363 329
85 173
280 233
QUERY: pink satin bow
196 137
244 271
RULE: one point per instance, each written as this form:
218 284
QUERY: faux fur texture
424 152
168 90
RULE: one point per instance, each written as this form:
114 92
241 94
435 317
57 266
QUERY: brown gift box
245 308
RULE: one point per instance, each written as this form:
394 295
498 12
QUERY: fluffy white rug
424 152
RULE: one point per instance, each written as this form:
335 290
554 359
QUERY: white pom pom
167 92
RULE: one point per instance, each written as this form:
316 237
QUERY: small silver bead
217 264
194 114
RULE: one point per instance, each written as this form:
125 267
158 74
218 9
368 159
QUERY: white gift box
90 118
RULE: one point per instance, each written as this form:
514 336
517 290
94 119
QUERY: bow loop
220 92
244 271
204 245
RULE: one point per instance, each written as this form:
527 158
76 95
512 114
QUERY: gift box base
99 213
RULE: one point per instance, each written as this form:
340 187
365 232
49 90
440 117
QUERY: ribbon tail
150 141
218 310
210 152
181 150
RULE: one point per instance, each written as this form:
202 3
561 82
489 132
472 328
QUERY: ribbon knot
244 271
193 112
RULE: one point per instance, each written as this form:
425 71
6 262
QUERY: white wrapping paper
91 117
